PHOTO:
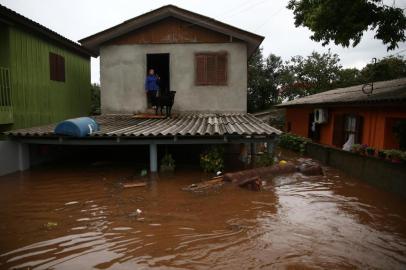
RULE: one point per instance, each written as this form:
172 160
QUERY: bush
212 160
167 163
395 155
264 160
293 142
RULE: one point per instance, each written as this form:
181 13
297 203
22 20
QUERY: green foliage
263 81
95 99
395 155
348 77
388 68
293 142
359 148
271 80
264 160
345 21
167 163
212 160
370 151
304 76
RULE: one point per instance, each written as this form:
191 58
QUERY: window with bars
211 68
56 67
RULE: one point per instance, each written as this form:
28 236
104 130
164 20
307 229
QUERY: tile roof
192 124
384 91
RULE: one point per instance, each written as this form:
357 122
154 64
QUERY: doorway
160 63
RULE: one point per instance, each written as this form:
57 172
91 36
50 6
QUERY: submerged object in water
77 127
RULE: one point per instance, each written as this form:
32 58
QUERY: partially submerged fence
6 106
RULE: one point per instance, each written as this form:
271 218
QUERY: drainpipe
153 158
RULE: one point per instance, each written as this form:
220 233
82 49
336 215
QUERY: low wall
380 173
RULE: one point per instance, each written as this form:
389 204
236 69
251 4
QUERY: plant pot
371 153
381 155
395 160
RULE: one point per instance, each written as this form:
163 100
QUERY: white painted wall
13 157
123 69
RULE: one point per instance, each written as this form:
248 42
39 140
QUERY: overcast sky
76 19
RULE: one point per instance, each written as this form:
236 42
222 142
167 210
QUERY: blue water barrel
77 127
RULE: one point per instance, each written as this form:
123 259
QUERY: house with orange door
373 114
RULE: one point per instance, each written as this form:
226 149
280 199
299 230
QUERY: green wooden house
44 77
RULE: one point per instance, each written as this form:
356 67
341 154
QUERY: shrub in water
167 163
293 142
212 160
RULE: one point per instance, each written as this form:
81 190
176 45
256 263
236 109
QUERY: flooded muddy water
78 217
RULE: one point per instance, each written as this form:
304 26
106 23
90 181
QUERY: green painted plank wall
38 100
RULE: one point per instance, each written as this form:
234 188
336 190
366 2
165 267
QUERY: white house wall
123 69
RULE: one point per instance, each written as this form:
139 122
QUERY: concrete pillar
270 145
14 156
153 157
23 157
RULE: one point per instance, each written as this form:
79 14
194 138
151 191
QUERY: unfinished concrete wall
123 71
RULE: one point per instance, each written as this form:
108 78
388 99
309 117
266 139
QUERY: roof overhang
94 42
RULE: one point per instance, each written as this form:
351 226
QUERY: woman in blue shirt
151 87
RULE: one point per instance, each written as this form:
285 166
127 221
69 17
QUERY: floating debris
132 185
50 225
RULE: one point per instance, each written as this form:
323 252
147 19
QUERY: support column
270 145
23 157
153 157
14 156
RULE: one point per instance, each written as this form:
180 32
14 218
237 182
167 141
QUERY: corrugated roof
384 91
94 41
192 124
10 16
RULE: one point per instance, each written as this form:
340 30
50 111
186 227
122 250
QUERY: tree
348 77
263 75
345 21
95 99
313 74
388 68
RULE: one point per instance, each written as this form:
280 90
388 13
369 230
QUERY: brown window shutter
358 129
52 66
200 69
211 69
222 69
211 72
338 131
61 65
56 67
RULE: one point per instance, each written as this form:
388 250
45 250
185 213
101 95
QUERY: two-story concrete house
203 60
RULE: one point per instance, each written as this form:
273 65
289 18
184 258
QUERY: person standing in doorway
151 87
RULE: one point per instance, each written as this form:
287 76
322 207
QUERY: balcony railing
6 105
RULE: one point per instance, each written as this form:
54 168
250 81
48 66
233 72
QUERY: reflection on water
80 218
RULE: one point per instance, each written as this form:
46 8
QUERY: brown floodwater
79 217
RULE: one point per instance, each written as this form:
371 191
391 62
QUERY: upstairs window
211 68
56 67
